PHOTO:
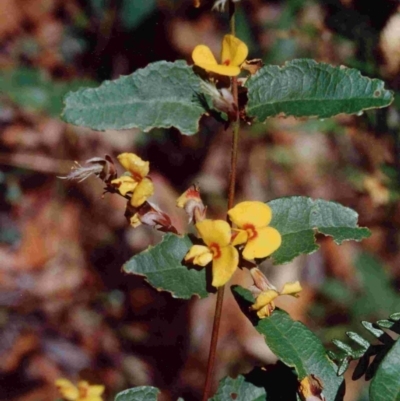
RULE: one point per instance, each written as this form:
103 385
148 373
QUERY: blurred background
66 310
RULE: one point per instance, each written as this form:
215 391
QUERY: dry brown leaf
23 345
35 11
390 45
10 17
49 33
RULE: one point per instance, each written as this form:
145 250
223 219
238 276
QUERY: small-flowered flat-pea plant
166 94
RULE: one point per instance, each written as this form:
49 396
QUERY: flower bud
311 388
219 5
191 201
149 215
104 168
222 98
261 282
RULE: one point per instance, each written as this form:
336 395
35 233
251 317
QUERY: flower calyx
103 168
233 54
149 215
252 219
192 203
219 5
135 181
218 249
252 66
222 99
265 293
82 392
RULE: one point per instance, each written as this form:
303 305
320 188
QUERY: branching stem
231 200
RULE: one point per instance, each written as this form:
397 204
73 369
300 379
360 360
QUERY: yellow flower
264 304
135 220
252 219
83 392
311 387
137 181
233 53
191 201
216 234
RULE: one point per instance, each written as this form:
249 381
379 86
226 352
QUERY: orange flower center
137 177
251 231
215 250
227 62
83 392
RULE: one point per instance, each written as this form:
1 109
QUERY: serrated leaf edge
311 61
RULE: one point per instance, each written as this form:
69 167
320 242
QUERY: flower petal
266 241
291 289
233 51
124 184
199 255
265 298
256 213
266 310
143 191
202 54
227 70
225 265
260 281
191 194
239 237
214 232
96 390
135 220
134 164
67 389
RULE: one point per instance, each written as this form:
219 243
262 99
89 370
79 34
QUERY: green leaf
305 88
31 89
238 389
294 344
134 12
161 95
143 393
385 386
377 296
162 266
298 217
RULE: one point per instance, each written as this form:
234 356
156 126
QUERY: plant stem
234 148
214 342
231 200
232 22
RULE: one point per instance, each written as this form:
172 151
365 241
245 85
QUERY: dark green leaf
358 339
143 393
239 390
305 88
134 12
385 324
31 89
161 95
377 296
344 347
344 364
298 217
162 266
294 344
378 333
337 291
385 386
395 316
